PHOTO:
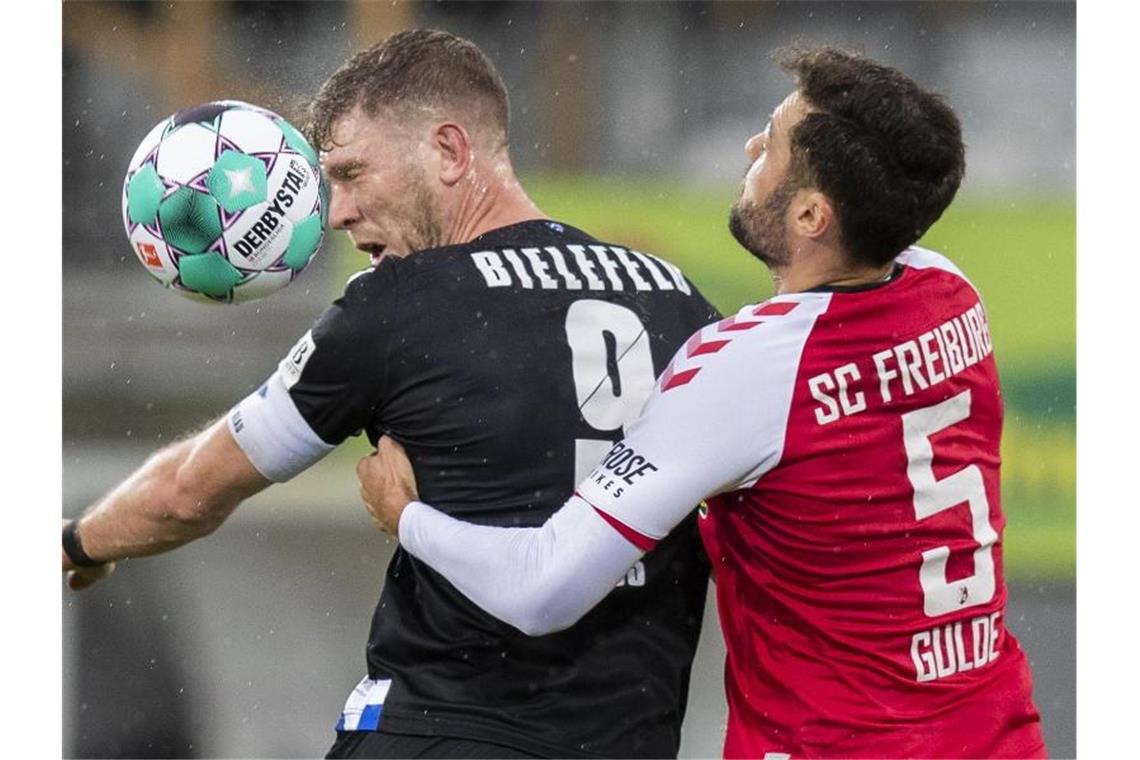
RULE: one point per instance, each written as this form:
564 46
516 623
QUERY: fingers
390 447
387 484
80 578
373 512
67 563
394 456
361 474
398 466
370 470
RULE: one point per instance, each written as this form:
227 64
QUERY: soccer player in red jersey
845 434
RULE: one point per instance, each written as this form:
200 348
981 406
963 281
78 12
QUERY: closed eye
345 172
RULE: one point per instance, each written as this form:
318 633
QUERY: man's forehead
790 108
356 136
350 129
358 128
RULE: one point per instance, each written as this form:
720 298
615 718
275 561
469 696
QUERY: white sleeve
273 434
539 580
715 422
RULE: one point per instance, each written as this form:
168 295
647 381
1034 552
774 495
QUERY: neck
831 270
490 197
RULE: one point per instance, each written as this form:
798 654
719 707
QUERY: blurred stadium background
628 120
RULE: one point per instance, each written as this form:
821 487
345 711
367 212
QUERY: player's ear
453 144
813 214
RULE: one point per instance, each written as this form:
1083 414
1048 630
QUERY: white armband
273 434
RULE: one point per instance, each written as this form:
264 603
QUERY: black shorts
374 744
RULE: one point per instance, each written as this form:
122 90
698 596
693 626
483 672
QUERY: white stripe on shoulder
790 321
792 313
924 258
753 354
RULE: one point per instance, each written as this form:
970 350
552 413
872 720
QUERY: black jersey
506 367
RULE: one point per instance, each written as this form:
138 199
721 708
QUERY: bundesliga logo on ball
225 202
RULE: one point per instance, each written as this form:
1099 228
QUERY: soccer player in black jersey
505 351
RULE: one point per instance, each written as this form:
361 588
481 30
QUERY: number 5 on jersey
932 496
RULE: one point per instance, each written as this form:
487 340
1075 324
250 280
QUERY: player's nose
754 146
343 211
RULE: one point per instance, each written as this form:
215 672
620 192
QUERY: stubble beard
760 229
423 213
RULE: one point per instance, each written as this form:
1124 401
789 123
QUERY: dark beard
760 229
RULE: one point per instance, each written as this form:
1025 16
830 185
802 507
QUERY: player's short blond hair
411 71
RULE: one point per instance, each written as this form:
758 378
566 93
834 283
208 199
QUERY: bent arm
718 431
539 580
181 493
545 579
322 392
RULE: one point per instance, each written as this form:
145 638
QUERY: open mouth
375 251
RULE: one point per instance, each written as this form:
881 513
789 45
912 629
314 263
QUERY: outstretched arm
322 392
182 492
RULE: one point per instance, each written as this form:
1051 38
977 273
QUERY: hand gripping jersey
506 367
851 440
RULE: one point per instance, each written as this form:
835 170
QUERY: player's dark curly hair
887 153
418 68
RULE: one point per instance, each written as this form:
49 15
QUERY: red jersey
856 534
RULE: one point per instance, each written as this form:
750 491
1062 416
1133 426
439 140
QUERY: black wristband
74 548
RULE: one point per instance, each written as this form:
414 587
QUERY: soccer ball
225 202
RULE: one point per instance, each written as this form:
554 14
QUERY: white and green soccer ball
225 202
